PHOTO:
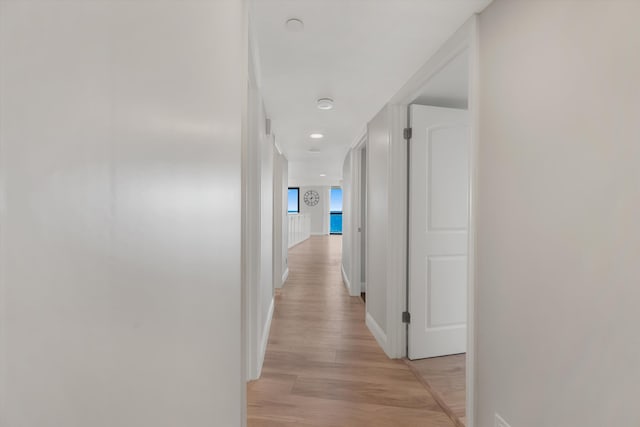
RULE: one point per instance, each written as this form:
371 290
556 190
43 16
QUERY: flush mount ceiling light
323 174
325 103
294 25
316 136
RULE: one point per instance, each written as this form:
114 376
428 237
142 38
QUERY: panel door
438 229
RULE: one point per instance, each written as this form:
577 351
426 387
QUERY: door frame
465 39
356 196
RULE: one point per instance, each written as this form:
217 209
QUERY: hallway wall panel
558 207
120 142
378 148
284 270
262 183
266 224
347 229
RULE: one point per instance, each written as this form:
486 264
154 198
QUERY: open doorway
358 217
438 234
363 221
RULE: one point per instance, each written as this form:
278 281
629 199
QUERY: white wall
280 222
252 211
385 228
285 220
267 235
362 217
378 147
120 133
558 207
259 232
319 213
347 230
354 206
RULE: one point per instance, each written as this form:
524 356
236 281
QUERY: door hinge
408 133
406 317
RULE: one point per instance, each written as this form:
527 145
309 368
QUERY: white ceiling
358 52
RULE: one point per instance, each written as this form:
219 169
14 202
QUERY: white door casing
438 231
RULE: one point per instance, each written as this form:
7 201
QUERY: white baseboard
377 332
348 285
319 234
265 338
345 280
284 277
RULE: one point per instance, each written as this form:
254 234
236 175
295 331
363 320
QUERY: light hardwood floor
322 366
445 377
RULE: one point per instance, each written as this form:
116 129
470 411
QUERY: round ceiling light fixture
295 25
316 136
325 104
323 174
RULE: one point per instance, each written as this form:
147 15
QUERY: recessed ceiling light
323 174
325 103
316 136
295 25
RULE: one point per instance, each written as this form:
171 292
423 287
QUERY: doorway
363 222
438 239
358 218
439 151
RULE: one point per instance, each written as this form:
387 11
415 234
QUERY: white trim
319 234
275 144
360 141
474 55
397 237
345 279
377 332
347 282
285 276
265 338
245 287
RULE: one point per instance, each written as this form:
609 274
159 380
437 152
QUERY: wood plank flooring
322 366
445 377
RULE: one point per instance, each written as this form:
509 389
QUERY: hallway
322 366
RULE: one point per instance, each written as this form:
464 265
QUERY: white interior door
438 224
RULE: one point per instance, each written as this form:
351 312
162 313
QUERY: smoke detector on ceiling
325 103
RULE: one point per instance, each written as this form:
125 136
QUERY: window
336 211
294 200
